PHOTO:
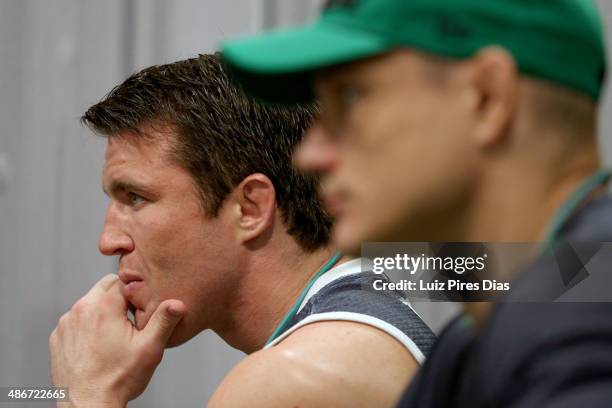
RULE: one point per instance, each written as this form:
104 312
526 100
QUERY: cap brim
278 66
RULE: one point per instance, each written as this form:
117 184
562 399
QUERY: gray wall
605 128
56 59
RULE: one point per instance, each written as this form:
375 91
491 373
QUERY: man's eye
135 199
348 96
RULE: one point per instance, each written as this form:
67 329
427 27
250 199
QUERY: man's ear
494 79
256 200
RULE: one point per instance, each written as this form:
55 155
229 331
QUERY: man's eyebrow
120 185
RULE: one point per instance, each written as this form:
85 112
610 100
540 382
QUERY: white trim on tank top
351 267
388 328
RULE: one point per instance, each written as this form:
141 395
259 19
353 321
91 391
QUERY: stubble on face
175 250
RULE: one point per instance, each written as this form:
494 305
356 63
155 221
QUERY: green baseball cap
557 40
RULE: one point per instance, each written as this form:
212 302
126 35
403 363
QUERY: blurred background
56 59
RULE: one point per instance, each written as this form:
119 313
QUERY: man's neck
522 211
269 287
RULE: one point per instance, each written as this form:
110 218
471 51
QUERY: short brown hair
222 136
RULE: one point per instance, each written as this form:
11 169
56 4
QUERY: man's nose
317 152
114 240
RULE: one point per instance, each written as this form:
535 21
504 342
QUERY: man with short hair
463 121
214 229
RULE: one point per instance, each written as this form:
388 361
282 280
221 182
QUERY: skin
182 272
377 140
321 365
100 355
145 213
415 148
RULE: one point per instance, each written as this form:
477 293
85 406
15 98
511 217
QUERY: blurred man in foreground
463 121
216 230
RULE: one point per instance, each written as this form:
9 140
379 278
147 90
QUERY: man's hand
97 352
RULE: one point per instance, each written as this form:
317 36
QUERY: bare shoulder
333 363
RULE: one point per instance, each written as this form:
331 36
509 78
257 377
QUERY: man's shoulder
528 343
528 355
593 222
320 363
356 298
525 328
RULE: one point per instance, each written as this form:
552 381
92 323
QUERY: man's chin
350 233
175 343
179 336
345 238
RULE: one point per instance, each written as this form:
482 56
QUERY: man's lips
334 204
130 288
132 282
